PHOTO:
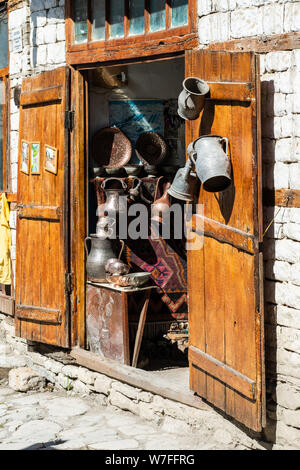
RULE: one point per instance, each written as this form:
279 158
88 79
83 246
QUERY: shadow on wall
268 162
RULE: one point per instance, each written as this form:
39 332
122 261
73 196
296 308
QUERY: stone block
292 230
295 274
204 7
23 379
120 401
50 33
214 28
56 15
64 381
80 387
272 17
86 376
174 426
56 53
103 384
292 17
38 19
70 371
246 22
291 418
127 390
294 169
287 250
287 316
278 270
37 5
278 61
53 366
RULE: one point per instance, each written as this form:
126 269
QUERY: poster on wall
51 159
25 157
35 158
134 117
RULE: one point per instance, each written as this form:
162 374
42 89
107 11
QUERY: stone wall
223 20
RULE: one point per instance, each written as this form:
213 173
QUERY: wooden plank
41 96
262 44
136 377
224 91
281 197
7 305
223 372
39 212
223 233
31 312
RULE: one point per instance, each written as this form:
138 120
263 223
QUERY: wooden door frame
79 187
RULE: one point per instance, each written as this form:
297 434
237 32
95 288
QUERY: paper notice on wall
17 43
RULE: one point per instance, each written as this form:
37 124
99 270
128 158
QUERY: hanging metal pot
191 99
209 153
185 183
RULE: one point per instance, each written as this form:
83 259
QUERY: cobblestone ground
58 420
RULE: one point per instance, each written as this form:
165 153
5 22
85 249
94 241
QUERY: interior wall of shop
42 23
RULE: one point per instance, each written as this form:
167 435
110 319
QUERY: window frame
170 40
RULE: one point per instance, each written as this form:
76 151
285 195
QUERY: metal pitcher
184 183
101 251
191 99
114 204
211 162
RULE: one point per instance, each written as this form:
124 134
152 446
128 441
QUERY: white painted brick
38 19
15 61
50 34
278 270
287 250
13 219
214 28
56 15
287 396
221 5
286 126
275 231
56 53
284 151
16 18
14 185
61 32
292 298
287 316
292 231
281 176
204 7
14 122
246 22
37 5
295 274
296 102
279 104
296 125
38 36
50 4
294 175
41 55
289 100
283 82
272 19
13 252
294 214
292 17
278 61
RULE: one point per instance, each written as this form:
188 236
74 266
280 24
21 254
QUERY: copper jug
161 205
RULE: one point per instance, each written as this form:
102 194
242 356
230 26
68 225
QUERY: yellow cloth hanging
5 242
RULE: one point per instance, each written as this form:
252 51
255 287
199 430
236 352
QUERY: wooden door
225 276
42 273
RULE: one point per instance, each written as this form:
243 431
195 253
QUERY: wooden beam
262 44
137 378
223 233
223 372
41 96
281 197
39 314
39 212
222 91
7 305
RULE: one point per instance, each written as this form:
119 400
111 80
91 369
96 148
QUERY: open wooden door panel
225 276
42 279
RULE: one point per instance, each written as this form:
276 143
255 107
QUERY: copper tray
151 148
111 148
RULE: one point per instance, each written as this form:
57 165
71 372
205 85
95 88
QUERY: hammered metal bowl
111 148
132 280
151 148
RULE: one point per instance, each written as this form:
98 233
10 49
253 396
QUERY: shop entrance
140 100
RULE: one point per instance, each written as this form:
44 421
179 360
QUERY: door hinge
69 283
69 120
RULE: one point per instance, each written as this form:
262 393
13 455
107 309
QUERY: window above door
105 30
